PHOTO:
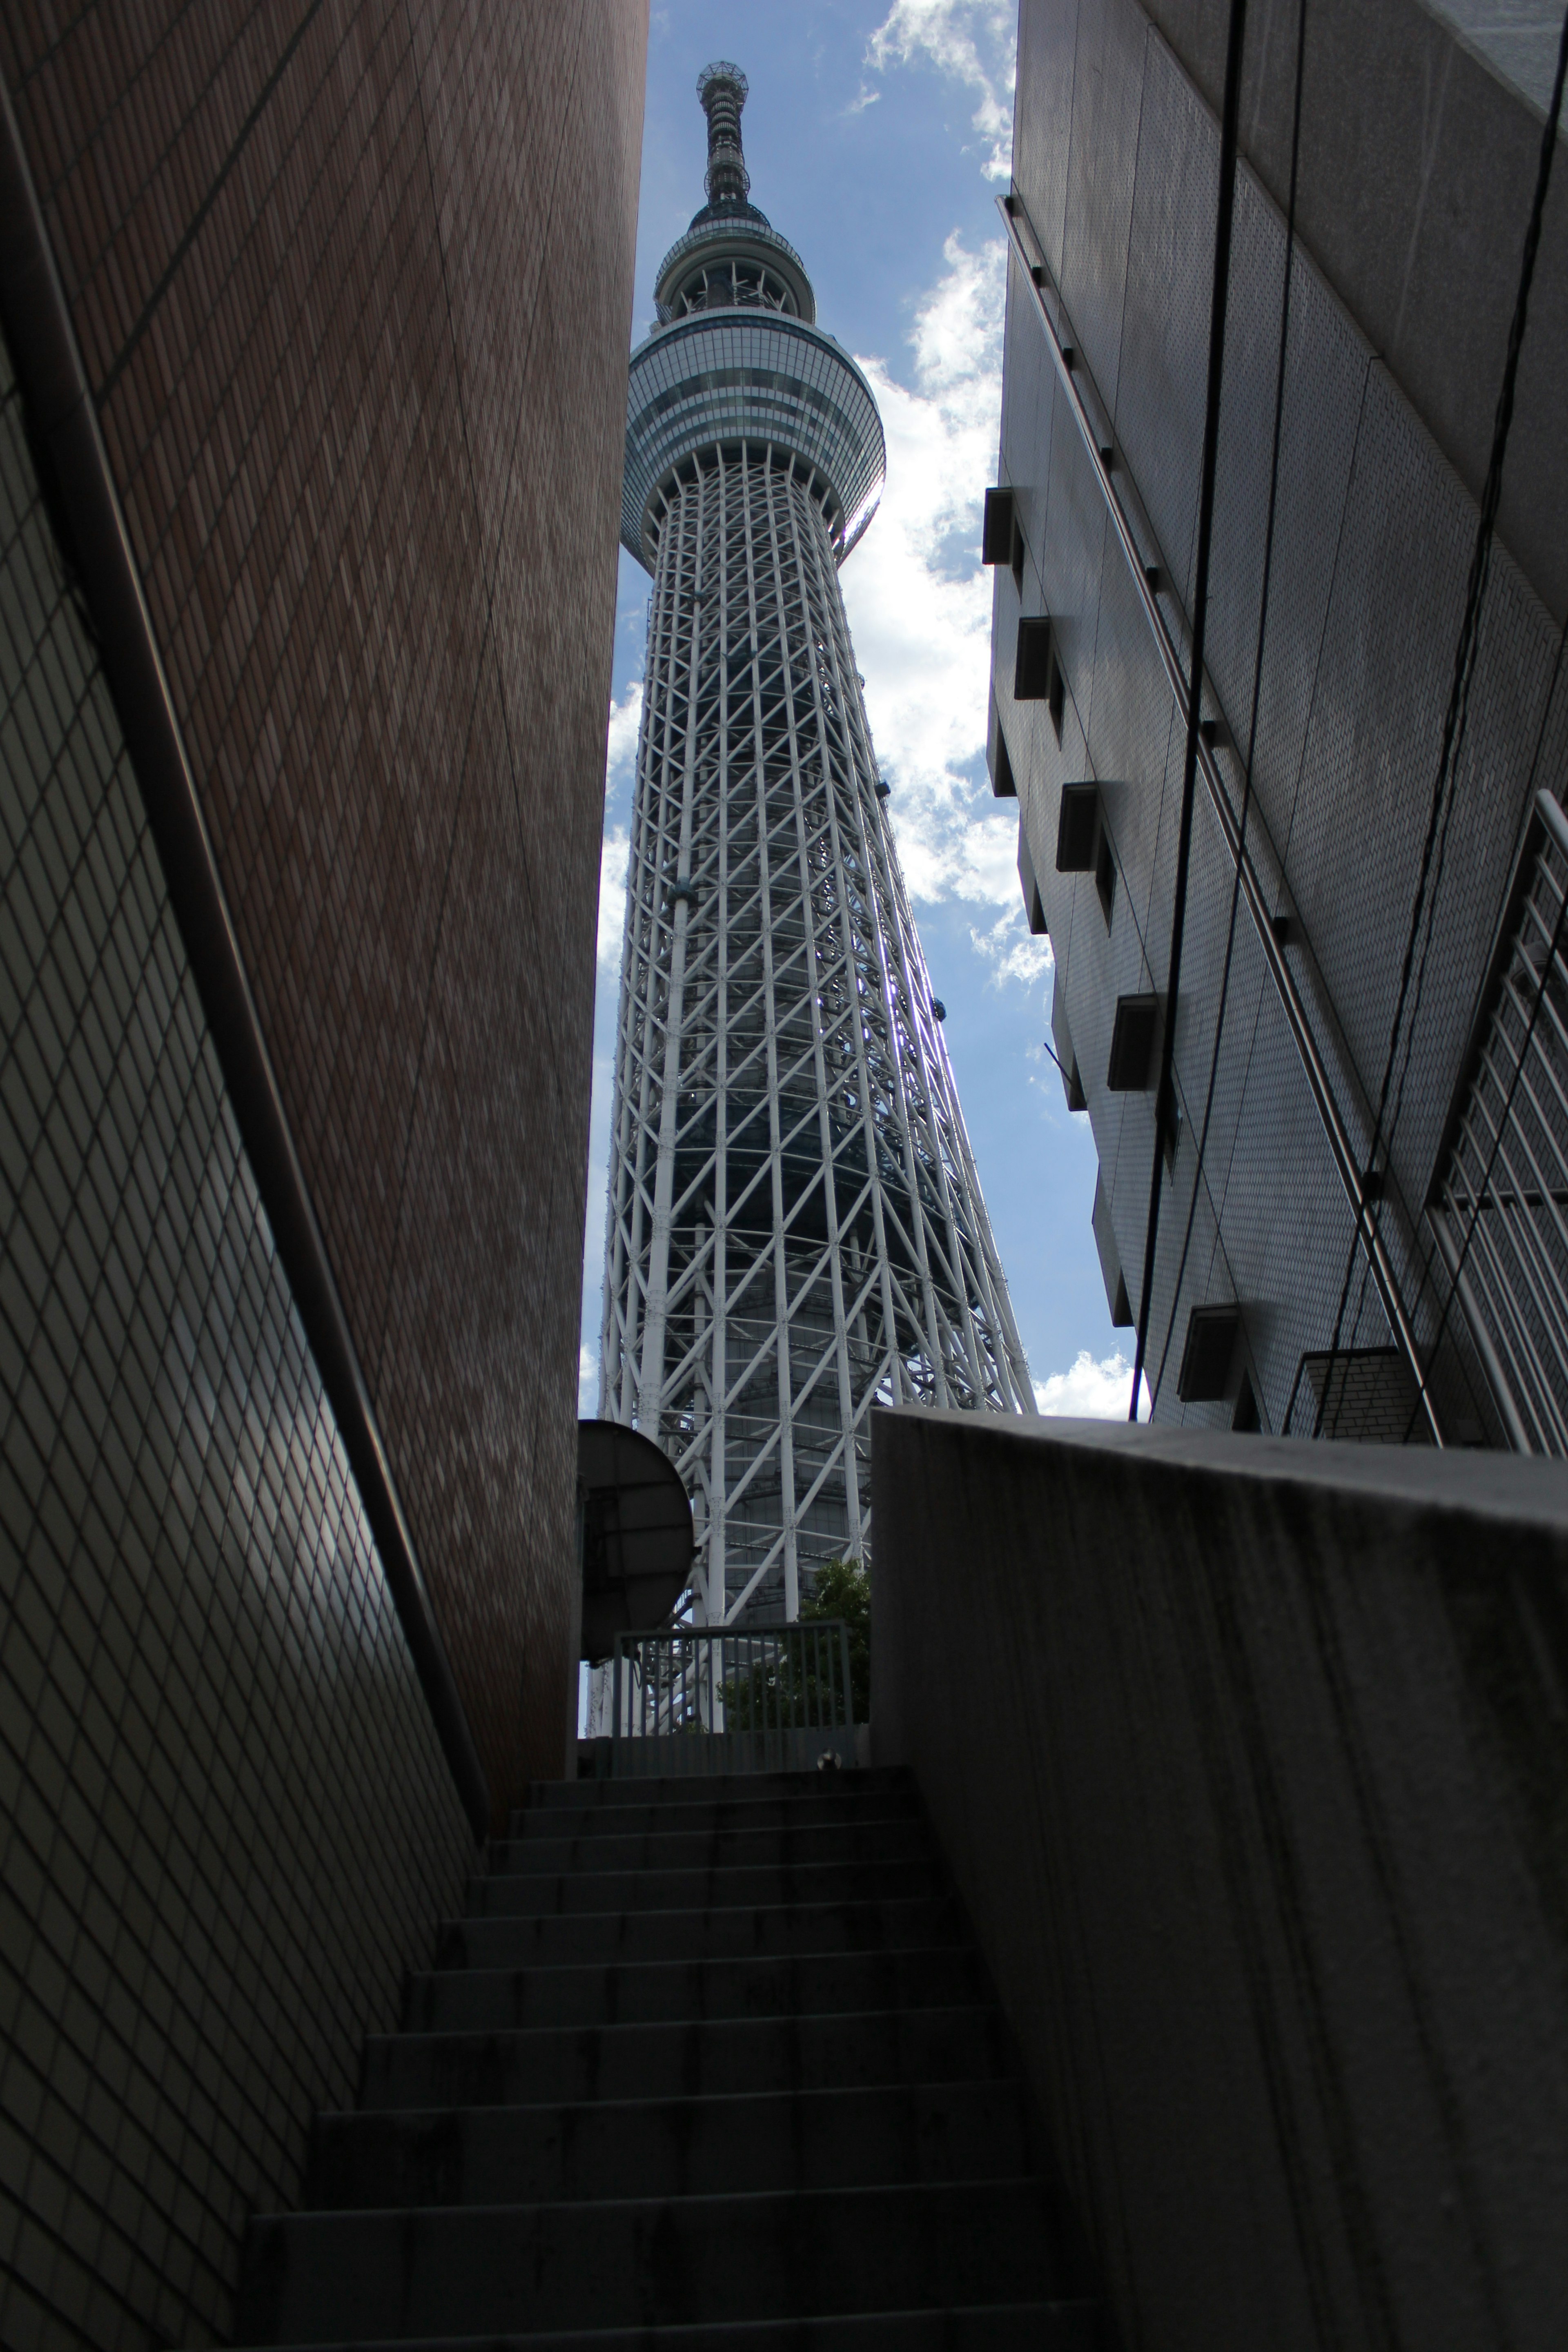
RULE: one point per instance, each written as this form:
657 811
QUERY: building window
1061 1040
1003 784
997 530
1002 535
1034 669
1132 1043
1078 828
1031 888
1206 1358
1110 1258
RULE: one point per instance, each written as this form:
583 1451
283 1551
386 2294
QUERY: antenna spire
722 89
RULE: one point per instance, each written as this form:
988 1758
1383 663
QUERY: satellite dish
637 1541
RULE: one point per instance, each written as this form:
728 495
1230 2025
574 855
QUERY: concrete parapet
1250 1759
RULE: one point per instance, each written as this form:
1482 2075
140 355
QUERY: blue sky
877 138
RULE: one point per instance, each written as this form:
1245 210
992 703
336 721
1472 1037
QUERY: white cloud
598 1178
1090 1392
613 853
1012 952
919 602
587 1384
626 717
970 41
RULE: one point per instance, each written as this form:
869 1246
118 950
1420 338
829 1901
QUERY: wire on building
1224 217
1256 694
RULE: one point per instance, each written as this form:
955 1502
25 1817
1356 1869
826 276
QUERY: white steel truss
795 1229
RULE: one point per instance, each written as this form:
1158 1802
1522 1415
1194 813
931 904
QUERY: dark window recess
1057 695
1066 1060
1035 670
1206 1358
1105 877
1003 784
1247 1415
1110 1258
1031 888
996 531
1133 1045
1078 828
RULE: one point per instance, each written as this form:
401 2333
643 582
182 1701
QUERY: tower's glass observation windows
731 284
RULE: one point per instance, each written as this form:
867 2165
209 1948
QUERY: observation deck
738 356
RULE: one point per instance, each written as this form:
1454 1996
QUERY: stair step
889 1838
520 1895
574 1796
639 2262
664 2062
851 1804
1070 2327
744 2141
738 1932
467 2000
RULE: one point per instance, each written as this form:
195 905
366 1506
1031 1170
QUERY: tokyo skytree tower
795 1229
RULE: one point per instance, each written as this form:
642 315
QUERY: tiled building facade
350 287
1417 164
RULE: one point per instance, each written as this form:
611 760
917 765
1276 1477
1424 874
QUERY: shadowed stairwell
705 2062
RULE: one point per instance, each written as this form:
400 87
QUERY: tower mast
795 1228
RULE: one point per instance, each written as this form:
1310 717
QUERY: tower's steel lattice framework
795 1227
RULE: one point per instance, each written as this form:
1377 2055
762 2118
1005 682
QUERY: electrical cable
1256 694
1456 719
1223 218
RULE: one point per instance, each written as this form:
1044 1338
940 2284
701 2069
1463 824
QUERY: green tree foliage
843 1589
785 1691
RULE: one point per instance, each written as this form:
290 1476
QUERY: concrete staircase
706 2063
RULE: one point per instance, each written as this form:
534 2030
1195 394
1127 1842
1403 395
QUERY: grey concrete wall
1418 163
1250 1759
1116 169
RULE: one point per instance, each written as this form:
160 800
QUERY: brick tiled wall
226 1825
353 283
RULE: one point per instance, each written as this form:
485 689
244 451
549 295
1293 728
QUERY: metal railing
725 1698
1499 1207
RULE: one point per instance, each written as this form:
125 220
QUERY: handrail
1340 1143
726 1698
49 363
1503 1150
